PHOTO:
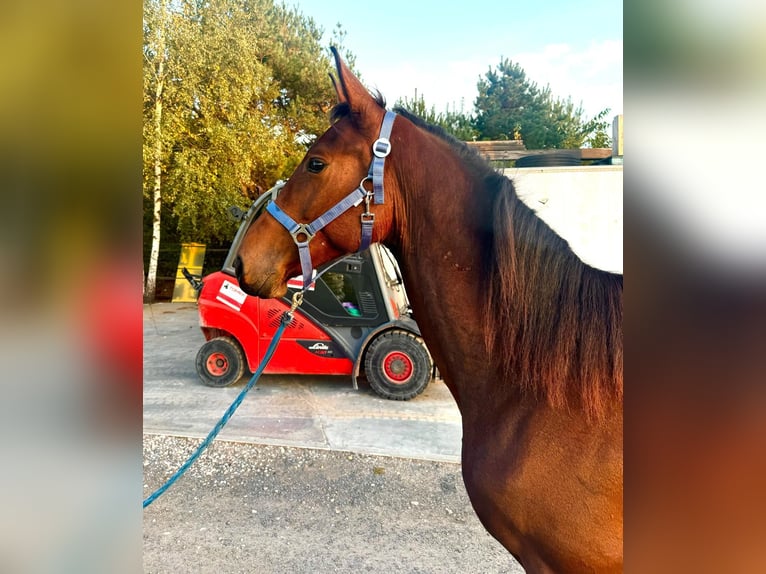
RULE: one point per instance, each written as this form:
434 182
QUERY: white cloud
441 84
592 75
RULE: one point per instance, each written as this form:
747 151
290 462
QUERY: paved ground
308 476
315 412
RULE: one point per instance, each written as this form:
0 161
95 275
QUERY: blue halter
303 233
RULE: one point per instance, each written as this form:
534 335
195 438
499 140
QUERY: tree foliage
507 101
245 91
511 106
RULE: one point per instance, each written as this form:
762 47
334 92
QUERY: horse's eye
316 165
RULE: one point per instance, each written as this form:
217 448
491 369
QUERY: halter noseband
303 233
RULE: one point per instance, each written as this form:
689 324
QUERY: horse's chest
494 465
536 493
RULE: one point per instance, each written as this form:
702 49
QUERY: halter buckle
381 147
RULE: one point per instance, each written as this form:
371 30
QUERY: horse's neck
557 334
441 256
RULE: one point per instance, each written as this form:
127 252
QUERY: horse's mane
558 320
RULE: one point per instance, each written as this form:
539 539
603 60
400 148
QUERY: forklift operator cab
355 319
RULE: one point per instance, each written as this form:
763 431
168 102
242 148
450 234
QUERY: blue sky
441 49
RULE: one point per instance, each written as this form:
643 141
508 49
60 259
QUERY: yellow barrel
192 257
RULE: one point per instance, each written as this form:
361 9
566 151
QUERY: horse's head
327 201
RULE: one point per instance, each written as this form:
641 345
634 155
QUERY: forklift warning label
319 348
231 295
297 282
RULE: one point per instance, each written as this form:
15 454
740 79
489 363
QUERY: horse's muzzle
266 287
239 274
237 264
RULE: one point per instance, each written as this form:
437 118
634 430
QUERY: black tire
561 157
220 362
397 365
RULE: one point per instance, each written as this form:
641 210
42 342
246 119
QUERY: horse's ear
338 90
351 89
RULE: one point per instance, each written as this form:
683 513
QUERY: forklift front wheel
397 365
220 362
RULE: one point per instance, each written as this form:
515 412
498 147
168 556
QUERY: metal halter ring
302 229
369 193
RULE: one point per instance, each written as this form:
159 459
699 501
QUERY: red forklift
355 320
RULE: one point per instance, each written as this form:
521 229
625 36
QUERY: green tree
508 101
252 105
234 91
599 135
511 106
570 129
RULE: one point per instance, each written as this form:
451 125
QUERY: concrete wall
582 204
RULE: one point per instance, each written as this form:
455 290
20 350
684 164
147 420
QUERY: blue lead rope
286 318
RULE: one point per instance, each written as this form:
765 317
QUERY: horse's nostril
237 264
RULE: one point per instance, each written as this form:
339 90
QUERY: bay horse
527 337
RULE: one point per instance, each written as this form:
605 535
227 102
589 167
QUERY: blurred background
695 251
70 287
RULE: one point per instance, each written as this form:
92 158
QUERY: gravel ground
262 509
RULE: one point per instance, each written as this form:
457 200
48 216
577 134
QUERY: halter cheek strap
380 150
303 233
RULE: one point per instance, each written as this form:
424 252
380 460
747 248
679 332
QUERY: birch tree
156 25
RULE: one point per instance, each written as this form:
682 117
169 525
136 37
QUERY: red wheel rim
217 364
397 367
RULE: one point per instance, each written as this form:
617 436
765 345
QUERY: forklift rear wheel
220 362
397 365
